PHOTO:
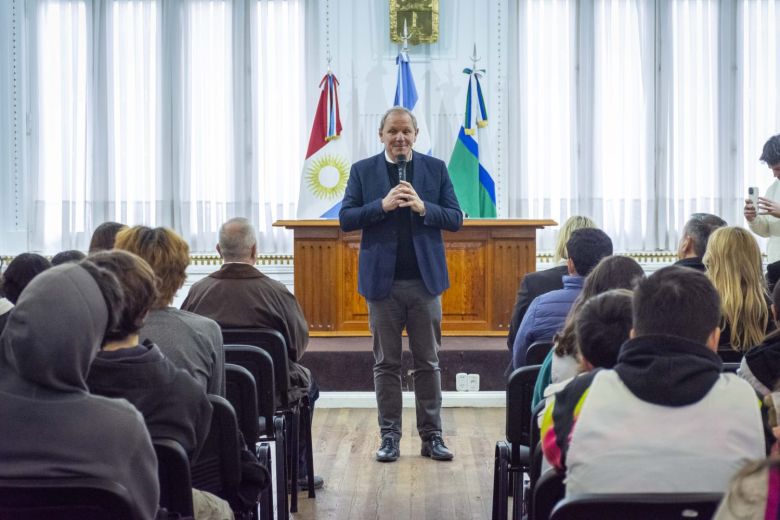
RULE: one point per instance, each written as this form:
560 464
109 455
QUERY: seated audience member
755 490
612 272
693 244
761 365
733 261
71 255
540 282
754 493
104 236
52 427
602 325
548 312
20 272
192 342
173 404
239 295
609 429
772 275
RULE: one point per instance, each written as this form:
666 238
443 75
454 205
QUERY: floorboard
357 487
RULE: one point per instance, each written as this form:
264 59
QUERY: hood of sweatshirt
764 360
53 334
668 370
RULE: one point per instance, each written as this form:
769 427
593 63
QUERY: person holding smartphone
764 218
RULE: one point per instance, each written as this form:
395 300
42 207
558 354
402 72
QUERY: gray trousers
409 305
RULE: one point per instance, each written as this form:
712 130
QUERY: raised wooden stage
346 364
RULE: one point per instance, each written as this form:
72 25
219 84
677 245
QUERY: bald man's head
237 242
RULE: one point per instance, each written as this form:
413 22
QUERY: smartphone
753 196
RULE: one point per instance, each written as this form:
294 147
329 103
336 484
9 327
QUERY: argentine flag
406 96
470 162
326 168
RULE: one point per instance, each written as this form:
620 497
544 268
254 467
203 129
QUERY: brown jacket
238 295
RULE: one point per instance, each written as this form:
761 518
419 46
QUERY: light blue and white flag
406 96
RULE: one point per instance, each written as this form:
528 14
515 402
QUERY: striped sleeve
560 417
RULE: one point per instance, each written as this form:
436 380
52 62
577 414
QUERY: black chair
638 506
257 426
548 491
537 352
173 471
271 427
218 467
297 414
512 457
535 464
73 498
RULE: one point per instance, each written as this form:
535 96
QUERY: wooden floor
360 488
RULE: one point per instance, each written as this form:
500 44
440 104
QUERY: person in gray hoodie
51 426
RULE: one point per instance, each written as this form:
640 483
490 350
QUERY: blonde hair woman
733 261
571 225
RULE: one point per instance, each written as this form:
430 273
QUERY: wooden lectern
486 259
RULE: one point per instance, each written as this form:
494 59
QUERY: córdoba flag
326 169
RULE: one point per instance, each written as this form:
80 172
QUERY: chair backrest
218 468
272 342
260 365
73 498
655 506
173 470
242 394
519 396
547 492
537 352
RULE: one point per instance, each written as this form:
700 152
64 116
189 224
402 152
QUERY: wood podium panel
486 260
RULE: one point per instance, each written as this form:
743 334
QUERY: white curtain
180 113
657 110
759 81
60 140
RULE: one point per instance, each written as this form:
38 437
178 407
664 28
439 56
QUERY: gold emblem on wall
421 17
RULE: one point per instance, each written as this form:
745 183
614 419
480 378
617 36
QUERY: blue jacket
545 317
362 209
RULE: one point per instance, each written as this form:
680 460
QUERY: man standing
764 220
402 201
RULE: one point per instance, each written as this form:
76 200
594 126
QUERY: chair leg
500 481
518 498
292 435
282 507
306 429
266 497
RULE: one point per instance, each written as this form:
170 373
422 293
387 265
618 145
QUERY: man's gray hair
398 110
236 238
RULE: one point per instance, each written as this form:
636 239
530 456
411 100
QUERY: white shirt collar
390 159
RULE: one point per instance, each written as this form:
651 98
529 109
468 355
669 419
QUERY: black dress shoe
389 451
434 448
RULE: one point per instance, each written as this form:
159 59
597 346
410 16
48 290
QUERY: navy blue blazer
362 209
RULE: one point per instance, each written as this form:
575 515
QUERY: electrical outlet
473 383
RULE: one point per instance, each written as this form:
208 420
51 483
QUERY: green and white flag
470 161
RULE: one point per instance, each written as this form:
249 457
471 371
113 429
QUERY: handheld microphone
401 161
